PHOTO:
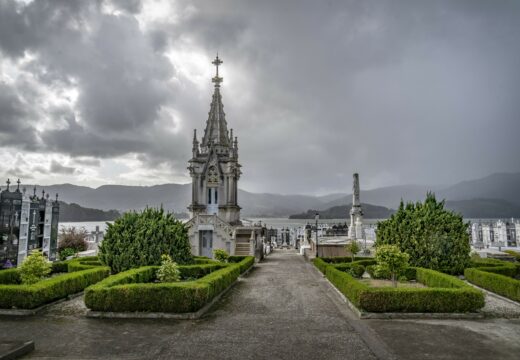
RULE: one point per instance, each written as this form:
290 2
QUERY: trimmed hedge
495 282
516 254
444 294
133 290
497 266
198 271
344 259
10 276
245 262
76 264
48 290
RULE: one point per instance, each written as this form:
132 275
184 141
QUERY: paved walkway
281 310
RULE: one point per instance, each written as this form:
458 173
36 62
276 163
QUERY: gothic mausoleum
215 171
27 222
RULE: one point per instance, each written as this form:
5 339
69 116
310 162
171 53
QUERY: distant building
500 233
27 222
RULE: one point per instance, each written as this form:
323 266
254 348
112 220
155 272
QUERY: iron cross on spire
217 62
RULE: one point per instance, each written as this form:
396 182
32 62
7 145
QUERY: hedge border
454 296
131 291
496 276
19 296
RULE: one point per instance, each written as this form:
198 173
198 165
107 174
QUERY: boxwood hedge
134 290
496 276
443 294
500 284
15 295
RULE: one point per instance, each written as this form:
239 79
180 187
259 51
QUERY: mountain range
497 195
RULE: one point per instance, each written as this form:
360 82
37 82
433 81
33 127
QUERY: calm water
276 223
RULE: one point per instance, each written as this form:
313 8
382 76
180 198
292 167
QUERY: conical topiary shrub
140 238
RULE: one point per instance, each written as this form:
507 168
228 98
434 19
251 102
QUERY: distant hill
342 212
484 208
502 186
176 197
75 213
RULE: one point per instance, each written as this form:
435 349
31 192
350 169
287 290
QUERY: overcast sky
109 92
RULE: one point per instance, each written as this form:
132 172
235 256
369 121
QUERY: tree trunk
394 280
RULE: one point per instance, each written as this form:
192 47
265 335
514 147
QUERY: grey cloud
58 168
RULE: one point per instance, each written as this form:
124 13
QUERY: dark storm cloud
401 91
121 81
409 91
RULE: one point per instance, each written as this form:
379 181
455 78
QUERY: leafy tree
72 238
220 255
389 258
434 237
353 248
169 270
34 268
140 238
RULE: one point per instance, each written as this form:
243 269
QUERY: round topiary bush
140 238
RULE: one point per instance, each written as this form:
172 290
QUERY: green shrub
434 237
65 253
139 239
168 271
454 296
133 290
500 284
34 268
48 290
220 255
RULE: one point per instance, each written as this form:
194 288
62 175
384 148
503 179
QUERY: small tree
34 268
72 238
220 255
390 258
353 248
169 270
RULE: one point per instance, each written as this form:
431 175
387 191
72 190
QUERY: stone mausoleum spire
355 230
214 166
216 132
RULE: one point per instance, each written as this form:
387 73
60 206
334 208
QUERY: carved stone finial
18 187
8 182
